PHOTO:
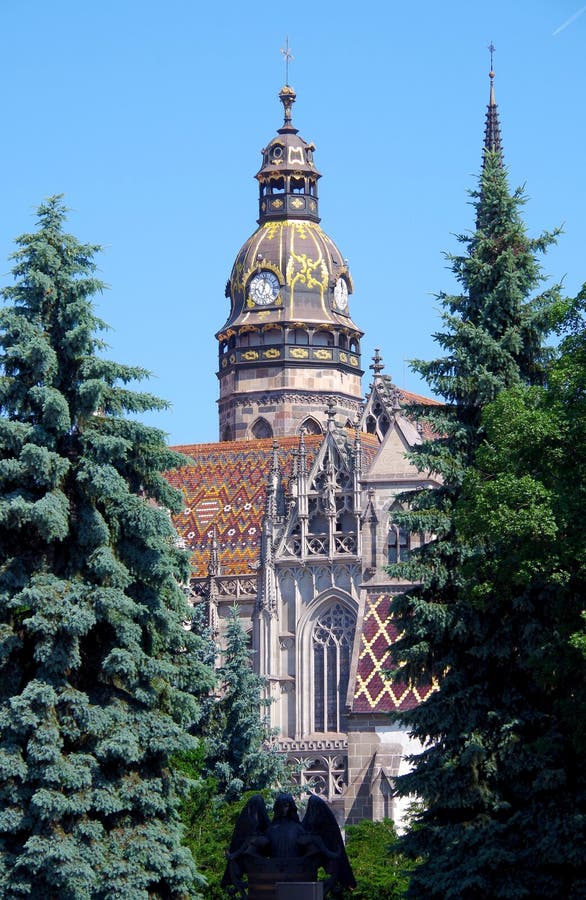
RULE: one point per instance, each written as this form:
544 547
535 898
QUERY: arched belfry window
331 639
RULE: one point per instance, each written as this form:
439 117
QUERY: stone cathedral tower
292 514
289 342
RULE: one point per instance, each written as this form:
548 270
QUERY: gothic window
399 544
297 186
371 425
310 426
343 342
332 638
354 346
261 429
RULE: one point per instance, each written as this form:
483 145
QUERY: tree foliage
99 681
381 871
237 758
473 727
240 751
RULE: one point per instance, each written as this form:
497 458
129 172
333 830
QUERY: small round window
277 152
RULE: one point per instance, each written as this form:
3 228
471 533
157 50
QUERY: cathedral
290 514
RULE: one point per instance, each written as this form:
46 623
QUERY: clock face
264 288
341 294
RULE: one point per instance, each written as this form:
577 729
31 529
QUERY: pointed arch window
261 429
332 639
310 426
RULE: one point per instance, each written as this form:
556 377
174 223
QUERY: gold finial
287 97
288 56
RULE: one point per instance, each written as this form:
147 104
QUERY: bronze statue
285 849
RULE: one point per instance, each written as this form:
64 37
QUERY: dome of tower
308 279
289 270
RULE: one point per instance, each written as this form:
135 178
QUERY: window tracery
332 638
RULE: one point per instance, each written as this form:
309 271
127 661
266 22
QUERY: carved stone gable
324 509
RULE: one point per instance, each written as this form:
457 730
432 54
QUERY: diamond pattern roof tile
374 691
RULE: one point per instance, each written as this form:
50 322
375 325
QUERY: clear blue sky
149 117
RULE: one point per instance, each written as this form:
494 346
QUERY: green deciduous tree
492 338
99 680
380 870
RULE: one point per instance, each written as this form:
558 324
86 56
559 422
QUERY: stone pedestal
300 890
267 876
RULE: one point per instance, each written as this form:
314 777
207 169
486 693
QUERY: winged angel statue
267 852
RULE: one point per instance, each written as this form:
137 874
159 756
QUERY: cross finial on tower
288 56
491 49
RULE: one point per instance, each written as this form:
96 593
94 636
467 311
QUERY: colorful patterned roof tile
374 691
225 487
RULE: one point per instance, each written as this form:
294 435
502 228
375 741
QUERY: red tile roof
374 691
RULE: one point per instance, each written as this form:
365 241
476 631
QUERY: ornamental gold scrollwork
250 355
343 356
354 360
298 353
273 353
322 354
297 203
307 272
276 204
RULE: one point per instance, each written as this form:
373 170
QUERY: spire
492 131
377 363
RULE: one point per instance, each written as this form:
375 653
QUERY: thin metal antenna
288 56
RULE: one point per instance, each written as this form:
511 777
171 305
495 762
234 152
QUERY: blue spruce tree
99 680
